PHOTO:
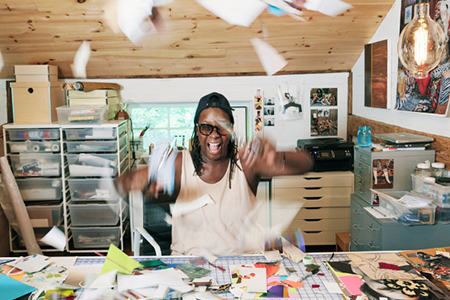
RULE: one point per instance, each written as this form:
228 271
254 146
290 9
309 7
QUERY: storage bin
123 153
34 147
40 189
95 133
92 164
91 146
35 73
410 210
82 114
26 165
94 214
92 189
438 192
33 134
95 237
36 102
45 215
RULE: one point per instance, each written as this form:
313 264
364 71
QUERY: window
163 121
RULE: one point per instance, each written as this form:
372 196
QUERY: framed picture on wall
429 95
376 74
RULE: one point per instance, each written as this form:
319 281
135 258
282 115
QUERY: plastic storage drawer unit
91 146
34 147
92 189
92 165
45 215
96 133
33 134
95 237
40 189
26 165
94 214
82 114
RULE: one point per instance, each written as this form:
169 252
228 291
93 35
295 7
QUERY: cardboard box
36 73
36 102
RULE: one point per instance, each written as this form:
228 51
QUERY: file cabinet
317 203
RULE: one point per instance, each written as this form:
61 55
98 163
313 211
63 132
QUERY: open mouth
214 148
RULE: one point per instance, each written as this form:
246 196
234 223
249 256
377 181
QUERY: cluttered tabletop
413 274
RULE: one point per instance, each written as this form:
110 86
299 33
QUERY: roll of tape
35 148
307 260
55 147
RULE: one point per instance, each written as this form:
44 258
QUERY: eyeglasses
207 129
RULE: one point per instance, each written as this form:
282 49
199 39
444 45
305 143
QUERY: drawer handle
357 227
372 228
312 188
356 243
357 212
360 164
312 198
371 245
312 178
312 231
361 191
312 220
361 172
311 208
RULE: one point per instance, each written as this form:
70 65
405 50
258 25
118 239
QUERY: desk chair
147 220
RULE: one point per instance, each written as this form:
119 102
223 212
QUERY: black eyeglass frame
217 128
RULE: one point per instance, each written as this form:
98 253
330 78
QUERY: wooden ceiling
196 42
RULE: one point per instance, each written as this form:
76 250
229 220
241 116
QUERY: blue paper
12 289
275 11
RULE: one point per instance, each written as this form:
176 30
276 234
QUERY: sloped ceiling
196 42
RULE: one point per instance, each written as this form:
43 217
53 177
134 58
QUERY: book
92 94
93 101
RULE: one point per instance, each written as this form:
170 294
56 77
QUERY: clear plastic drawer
31 165
95 237
83 165
34 147
94 214
40 189
33 134
95 133
91 146
92 189
45 215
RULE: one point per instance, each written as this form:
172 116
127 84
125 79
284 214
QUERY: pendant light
422 42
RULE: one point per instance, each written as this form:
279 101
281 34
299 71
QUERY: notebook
403 137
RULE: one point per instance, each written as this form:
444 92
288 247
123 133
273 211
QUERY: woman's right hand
137 180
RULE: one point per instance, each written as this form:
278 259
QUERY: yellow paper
117 260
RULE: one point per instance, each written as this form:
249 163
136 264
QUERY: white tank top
226 227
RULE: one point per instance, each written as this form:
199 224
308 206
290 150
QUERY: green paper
117 260
193 271
151 263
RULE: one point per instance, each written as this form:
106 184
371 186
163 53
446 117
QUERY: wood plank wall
441 144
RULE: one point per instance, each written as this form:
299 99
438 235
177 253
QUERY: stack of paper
95 98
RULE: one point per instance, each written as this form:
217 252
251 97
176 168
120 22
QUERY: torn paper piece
132 16
125 282
181 208
332 287
253 278
2 63
161 2
80 61
105 280
235 12
281 4
292 252
270 59
328 7
55 238
31 264
273 255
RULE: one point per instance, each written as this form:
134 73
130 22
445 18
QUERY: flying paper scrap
55 238
81 59
132 17
270 59
328 7
235 12
116 259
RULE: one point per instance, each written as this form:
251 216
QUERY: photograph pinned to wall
324 122
258 100
269 111
269 101
269 121
258 121
290 102
429 95
323 97
383 173
408 14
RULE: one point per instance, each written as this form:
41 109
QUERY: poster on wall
324 122
323 97
383 174
289 103
429 95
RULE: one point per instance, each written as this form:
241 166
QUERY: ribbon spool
55 147
307 260
35 148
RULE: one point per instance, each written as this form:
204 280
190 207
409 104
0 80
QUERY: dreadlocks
198 161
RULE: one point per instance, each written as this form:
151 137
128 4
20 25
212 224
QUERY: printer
330 154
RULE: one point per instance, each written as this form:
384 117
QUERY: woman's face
214 146
437 11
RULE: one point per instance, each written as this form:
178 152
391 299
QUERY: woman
218 182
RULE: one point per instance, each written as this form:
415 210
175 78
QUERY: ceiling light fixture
422 42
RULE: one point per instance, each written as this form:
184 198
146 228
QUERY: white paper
80 61
161 292
105 280
273 255
55 238
77 274
281 4
270 59
446 254
293 278
313 4
125 282
132 17
235 12
292 252
332 287
190 296
334 7
182 208
31 264
256 284
2 63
